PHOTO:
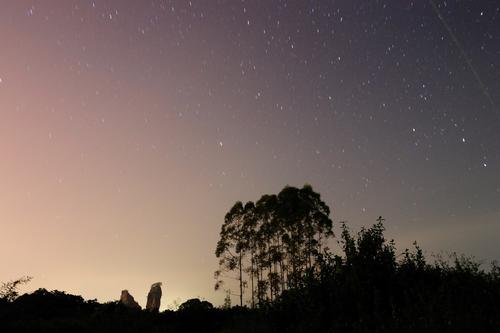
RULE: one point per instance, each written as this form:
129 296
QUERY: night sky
129 128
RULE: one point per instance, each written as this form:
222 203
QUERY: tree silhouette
279 240
233 244
366 287
9 291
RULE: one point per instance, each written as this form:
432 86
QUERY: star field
128 129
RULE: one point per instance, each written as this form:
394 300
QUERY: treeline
274 243
302 286
367 287
55 311
291 282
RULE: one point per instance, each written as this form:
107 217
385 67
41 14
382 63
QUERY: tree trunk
309 255
282 273
241 282
252 273
269 258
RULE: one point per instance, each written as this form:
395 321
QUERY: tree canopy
274 243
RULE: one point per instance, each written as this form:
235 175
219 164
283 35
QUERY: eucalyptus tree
307 225
266 209
249 231
278 241
232 245
291 210
317 224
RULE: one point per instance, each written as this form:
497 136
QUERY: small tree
227 300
10 290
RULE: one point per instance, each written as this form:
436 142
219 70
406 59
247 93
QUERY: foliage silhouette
9 290
274 243
299 285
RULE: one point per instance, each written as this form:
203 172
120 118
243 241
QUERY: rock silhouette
154 297
128 300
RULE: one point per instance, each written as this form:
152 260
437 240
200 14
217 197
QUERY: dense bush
368 290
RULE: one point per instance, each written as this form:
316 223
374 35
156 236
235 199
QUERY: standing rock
154 297
128 300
